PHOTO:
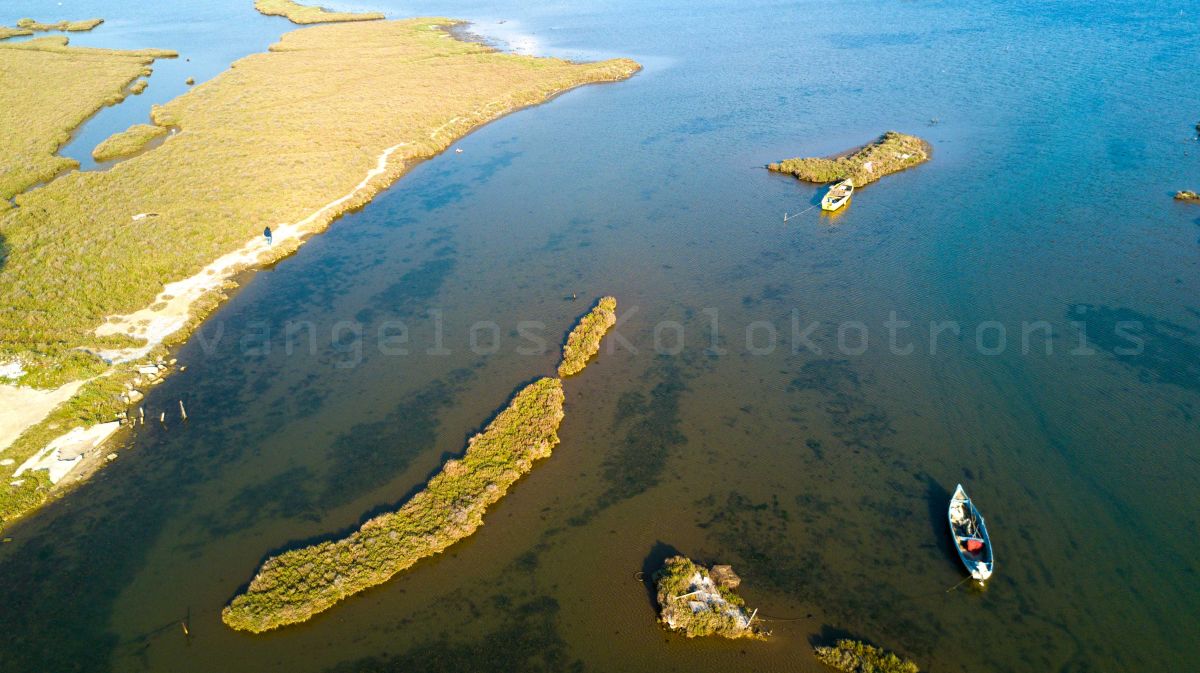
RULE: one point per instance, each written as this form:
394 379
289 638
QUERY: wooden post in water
162 418
182 411
142 415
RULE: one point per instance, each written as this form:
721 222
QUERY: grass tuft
891 153
584 340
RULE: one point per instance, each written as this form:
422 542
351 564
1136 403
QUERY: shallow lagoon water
821 476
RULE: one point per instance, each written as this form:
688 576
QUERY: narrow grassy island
128 142
296 585
891 153
852 656
38 119
584 340
699 602
70 26
305 14
1187 195
6 32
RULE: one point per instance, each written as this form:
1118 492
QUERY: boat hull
971 539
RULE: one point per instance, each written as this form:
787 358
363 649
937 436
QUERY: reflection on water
719 426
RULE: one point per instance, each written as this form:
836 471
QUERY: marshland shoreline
181 306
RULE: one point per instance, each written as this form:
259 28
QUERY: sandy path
22 407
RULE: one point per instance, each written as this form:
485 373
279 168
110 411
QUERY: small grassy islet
68 26
890 153
128 142
584 341
306 14
853 656
698 602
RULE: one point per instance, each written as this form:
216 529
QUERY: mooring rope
787 217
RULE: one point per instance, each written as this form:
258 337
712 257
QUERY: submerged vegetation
891 153
305 14
298 584
584 340
128 142
852 656
699 602
70 26
36 120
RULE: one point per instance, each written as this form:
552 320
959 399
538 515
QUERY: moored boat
970 536
837 196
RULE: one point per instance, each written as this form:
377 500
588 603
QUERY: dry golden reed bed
49 88
73 254
305 14
584 340
298 584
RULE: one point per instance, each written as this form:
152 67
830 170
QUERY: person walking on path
267 235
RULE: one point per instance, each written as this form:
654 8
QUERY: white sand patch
21 407
64 453
11 370
176 299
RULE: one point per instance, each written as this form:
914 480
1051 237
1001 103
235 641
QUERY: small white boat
970 536
837 196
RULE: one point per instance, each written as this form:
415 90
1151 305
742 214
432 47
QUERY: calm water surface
820 469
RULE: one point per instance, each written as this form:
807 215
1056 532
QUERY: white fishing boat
837 196
970 536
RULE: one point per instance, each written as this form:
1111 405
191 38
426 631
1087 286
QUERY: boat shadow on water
936 498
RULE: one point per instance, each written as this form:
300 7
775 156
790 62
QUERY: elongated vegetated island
852 656
584 340
38 119
128 142
891 153
6 32
119 262
69 26
306 14
696 601
296 585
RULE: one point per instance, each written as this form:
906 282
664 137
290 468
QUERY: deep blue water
816 460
